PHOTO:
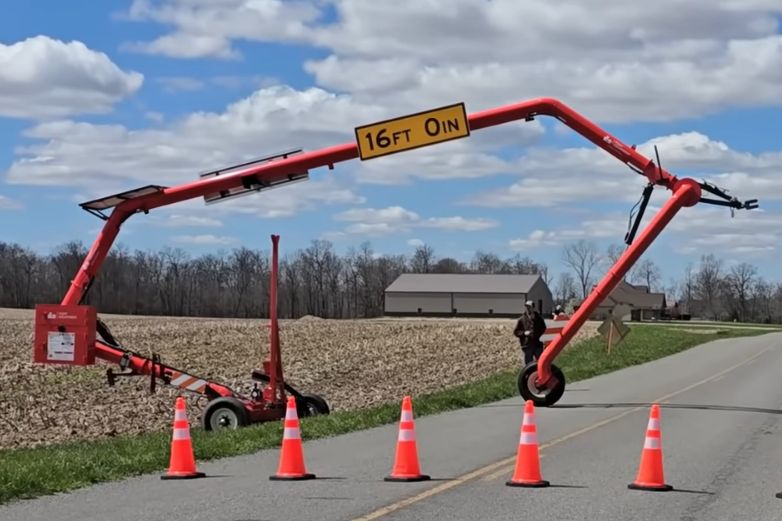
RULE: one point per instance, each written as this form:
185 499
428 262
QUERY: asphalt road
721 436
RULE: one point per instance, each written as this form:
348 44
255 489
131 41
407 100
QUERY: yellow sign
413 131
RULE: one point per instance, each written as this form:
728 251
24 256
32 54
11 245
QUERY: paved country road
721 436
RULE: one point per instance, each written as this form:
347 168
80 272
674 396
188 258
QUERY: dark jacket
532 322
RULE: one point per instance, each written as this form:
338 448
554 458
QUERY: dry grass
352 363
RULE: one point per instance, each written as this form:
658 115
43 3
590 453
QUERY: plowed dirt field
351 363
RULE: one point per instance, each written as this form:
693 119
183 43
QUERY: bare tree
709 284
582 258
423 259
740 282
613 253
647 273
565 289
687 288
484 262
449 265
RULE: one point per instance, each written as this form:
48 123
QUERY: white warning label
60 346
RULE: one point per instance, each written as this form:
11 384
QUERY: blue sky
97 98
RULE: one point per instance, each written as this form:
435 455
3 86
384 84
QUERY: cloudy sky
102 97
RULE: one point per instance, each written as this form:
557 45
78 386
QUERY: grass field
30 472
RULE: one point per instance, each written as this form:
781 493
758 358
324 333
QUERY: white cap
529 303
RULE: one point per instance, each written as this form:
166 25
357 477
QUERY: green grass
27 473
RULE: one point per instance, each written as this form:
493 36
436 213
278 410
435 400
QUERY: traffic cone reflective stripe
182 460
527 471
650 472
406 465
291 465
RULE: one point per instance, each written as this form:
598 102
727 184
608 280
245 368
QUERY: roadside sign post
613 330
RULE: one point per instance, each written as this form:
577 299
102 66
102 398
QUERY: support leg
687 192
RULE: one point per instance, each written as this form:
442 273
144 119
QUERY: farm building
630 302
469 295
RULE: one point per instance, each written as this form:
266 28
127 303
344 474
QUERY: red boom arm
686 192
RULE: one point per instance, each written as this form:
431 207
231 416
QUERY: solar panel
96 206
252 183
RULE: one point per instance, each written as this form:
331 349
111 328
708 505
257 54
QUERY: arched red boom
685 192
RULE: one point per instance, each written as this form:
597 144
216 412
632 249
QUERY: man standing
559 313
530 327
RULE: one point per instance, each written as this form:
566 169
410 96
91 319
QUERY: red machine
68 341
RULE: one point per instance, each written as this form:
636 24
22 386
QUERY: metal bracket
732 202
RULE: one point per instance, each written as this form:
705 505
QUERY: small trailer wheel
312 405
224 413
540 397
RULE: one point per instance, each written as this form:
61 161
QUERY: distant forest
317 281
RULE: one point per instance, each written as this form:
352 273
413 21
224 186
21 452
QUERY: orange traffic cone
650 473
527 473
291 466
182 460
406 466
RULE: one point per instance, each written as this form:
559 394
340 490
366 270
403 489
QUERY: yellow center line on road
498 468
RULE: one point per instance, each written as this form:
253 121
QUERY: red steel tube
686 192
274 341
281 168
329 156
142 365
92 262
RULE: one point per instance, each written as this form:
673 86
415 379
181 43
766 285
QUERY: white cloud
280 118
203 240
553 178
459 223
178 220
206 27
288 201
6 203
44 78
468 158
395 214
707 229
174 84
694 231
627 64
415 243
155 117
610 227
694 150
396 219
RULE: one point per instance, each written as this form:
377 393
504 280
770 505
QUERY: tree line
312 281
709 289
318 281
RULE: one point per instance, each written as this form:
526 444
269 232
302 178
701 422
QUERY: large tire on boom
311 405
224 413
306 404
540 397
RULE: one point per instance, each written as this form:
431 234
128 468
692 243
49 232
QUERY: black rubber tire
312 405
528 391
230 410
